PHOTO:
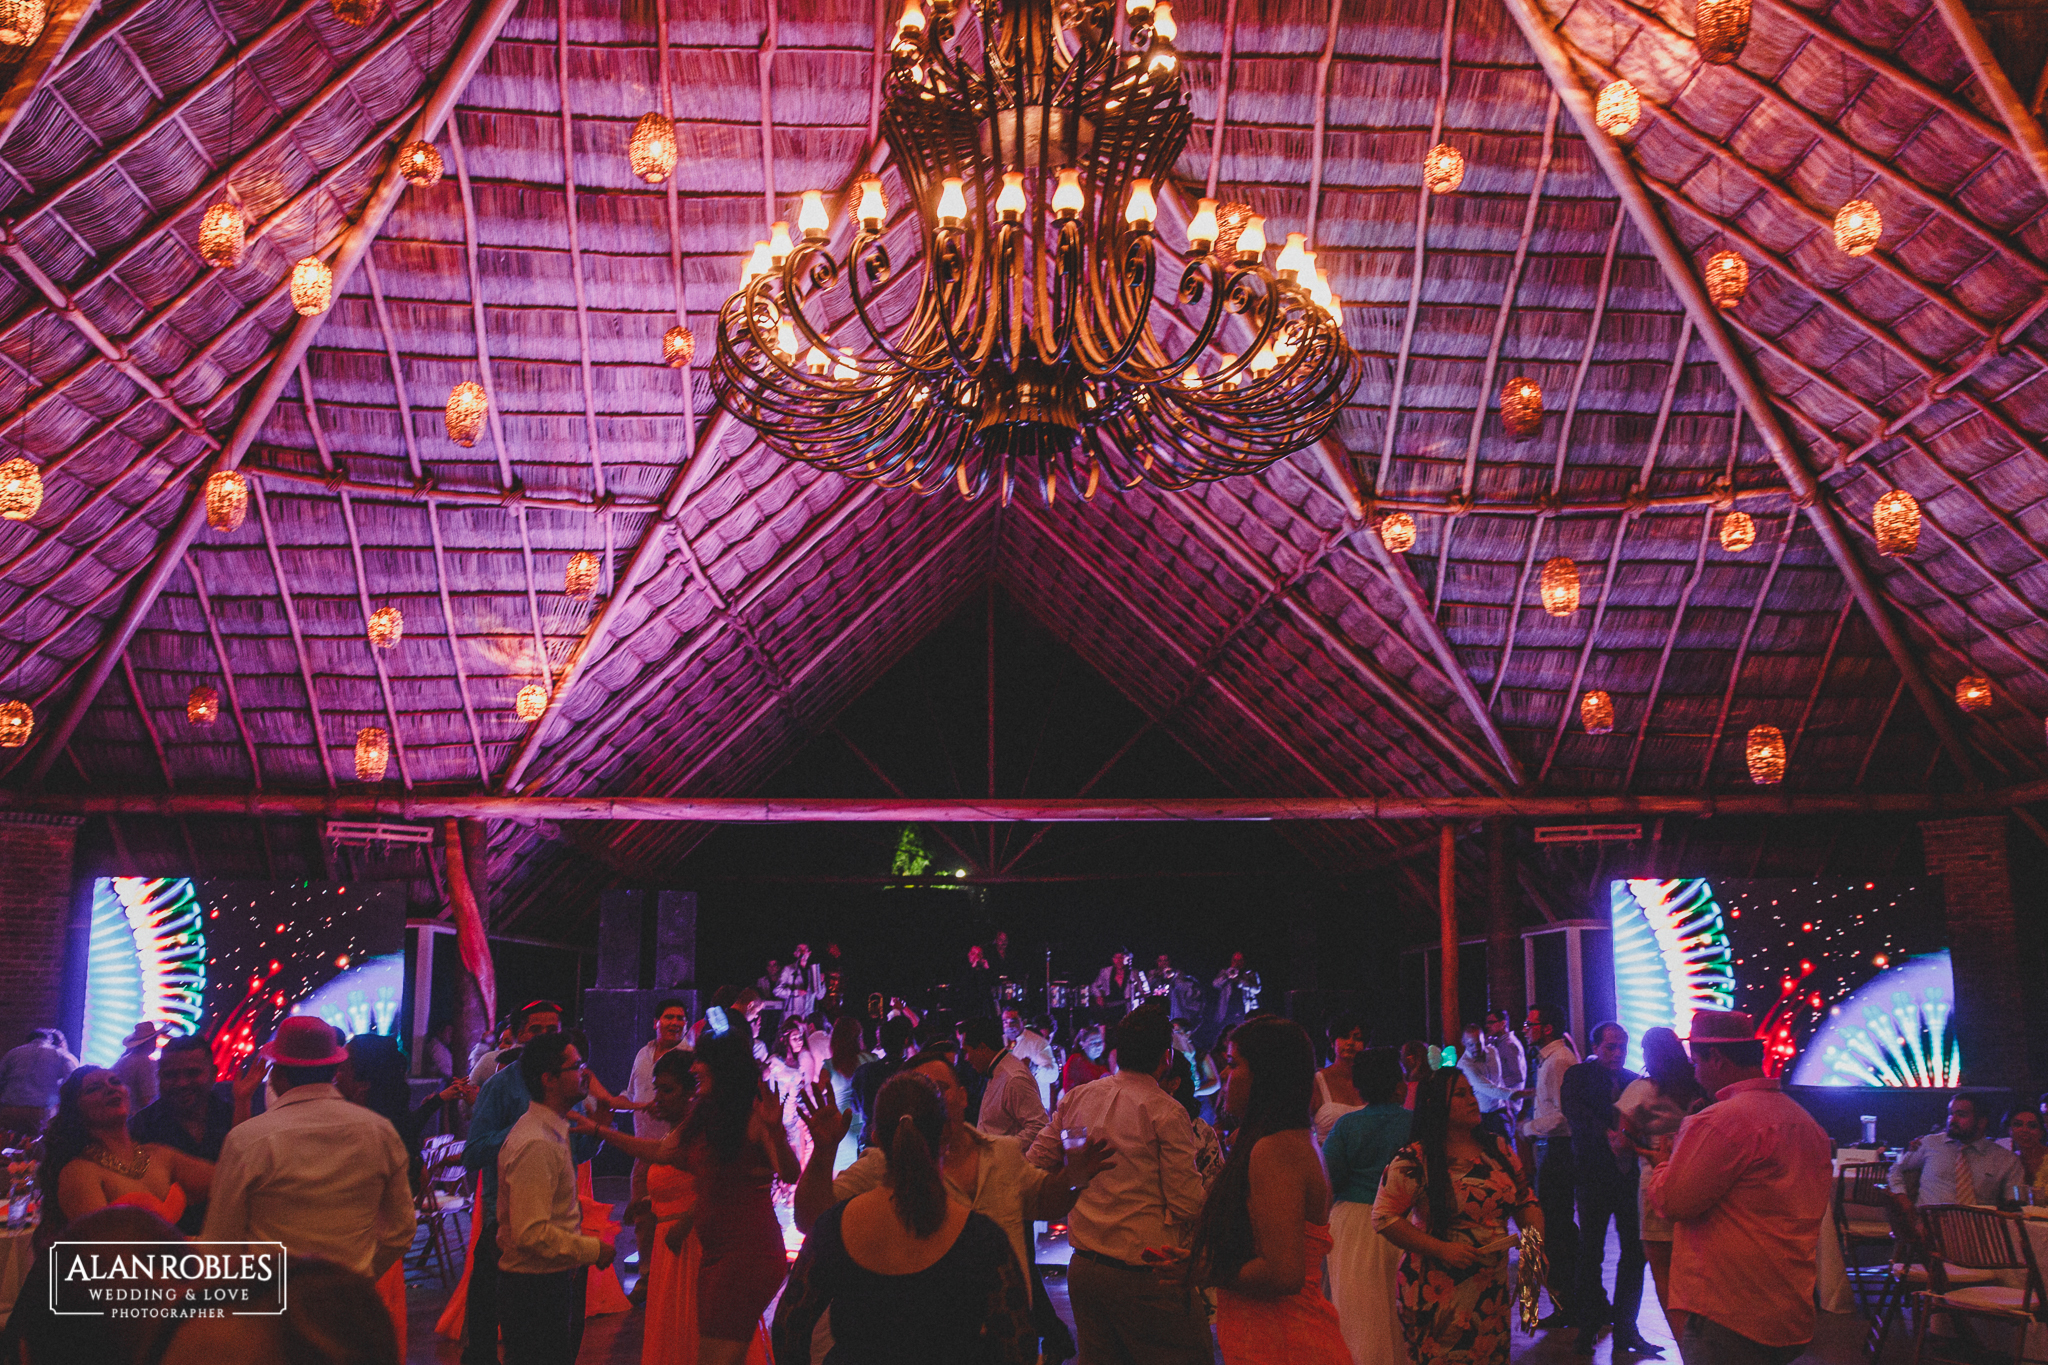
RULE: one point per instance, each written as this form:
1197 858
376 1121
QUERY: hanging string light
17 723
467 405
21 490
579 579
312 287
420 163
387 625
1858 225
1596 712
202 707
1521 407
678 346
21 23
373 751
227 500
1738 532
1397 532
1443 169
221 235
531 701
1765 751
1896 520
653 148
1727 278
1721 28
1560 586
1973 693
1618 108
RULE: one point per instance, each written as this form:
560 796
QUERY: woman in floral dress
1445 1200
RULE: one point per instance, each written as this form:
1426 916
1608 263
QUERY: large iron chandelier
1040 347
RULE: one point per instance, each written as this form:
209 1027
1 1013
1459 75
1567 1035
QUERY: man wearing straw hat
1745 1188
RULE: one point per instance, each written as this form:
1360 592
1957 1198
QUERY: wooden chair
1861 1197
1964 1238
1905 1278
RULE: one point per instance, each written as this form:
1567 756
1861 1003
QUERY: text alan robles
167 1279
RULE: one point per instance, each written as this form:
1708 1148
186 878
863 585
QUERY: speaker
675 939
618 939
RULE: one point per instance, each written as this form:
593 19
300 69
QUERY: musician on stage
1237 994
1117 988
802 983
978 989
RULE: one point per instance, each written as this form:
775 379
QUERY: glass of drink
1073 1139
1869 1130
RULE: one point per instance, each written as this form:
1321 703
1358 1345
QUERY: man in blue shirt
501 1103
1959 1165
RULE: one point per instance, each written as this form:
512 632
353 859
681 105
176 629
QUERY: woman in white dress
1336 1093
1364 1265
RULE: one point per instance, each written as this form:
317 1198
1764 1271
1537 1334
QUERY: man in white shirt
1036 1051
325 1177
671 1022
1149 1197
1010 1106
1481 1065
543 1256
1551 1138
803 981
1514 1062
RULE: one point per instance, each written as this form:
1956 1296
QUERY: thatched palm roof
747 599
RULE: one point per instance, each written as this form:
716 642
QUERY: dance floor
615 1339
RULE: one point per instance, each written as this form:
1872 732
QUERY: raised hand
249 1079
819 1108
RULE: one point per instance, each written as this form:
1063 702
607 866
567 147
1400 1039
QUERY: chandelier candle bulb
1973 693
844 370
222 233
467 407
1896 520
1292 258
420 163
1443 169
1066 200
1142 209
312 287
756 265
815 361
1397 532
579 579
1596 712
652 149
1738 532
678 346
373 752
1264 362
1251 243
811 218
1618 108
17 723
1559 587
202 707
1765 752
530 703
785 339
1727 278
1010 202
952 202
1202 228
779 245
227 500
1163 27
1858 225
912 22
21 490
387 627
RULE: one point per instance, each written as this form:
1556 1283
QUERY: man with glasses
543 1255
1550 1134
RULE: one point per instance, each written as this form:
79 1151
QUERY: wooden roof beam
46 58
1756 611
2027 139
1692 581
291 620
597 482
490 17
1820 677
1679 272
227 671
429 489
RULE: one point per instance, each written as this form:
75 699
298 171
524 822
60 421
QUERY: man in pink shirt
1746 1189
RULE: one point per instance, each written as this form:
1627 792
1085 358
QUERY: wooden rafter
291 620
1756 611
1692 581
575 239
2027 139
227 671
1820 678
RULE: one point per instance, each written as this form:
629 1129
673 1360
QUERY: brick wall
35 904
1969 855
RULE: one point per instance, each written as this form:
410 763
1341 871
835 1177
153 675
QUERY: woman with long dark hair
1335 1094
1265 1225
1651 1108
908 1271
90 1162
1364 1266
1445 1200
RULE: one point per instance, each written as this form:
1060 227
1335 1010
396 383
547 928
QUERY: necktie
1966 1182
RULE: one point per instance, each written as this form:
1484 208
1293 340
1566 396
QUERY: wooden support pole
1447 930
1504 983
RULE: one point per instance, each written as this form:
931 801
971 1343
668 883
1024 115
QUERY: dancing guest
91 1162
671 1023
905 1271
1084 1060
841 1065
29 1077
1606 1190
325 1177
895 1034
803 981
1746 1188
1364 1266
1555 1165
669 1200
1652 1109
1033 1048
137 1066
1179 1082
1445 1200
529 1021
1508 1051
1208 1079
190 1113
1010 1106
1481 1065
2024 1136
1416 1064
1336 1095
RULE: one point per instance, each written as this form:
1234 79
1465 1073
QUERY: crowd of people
1230 1186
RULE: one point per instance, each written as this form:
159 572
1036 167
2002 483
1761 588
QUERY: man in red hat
325 1177
1746 1189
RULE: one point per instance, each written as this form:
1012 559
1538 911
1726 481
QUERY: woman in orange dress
89 1161
1264 1230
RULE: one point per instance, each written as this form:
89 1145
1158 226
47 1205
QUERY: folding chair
442 1200
1905 1278
1962 1237
1861 1197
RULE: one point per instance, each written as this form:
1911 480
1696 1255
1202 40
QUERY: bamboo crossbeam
433 490
2027 139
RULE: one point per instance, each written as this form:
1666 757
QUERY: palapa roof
1255 620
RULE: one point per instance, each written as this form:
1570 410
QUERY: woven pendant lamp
1559 587
1727 276
1973 693
17 723
531 701
1858 225
21 490
1738 532
1896 520
1596 712
387 627
678 347
1722 27
467 405
579 579
1443 169
373 751
227 500
653 148
312 287
221 235
1521 407
1231 221
356 12
21 23
1765 751
1397 532
420 163
202 707
1618 109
